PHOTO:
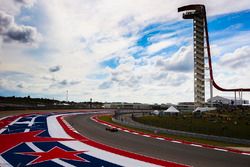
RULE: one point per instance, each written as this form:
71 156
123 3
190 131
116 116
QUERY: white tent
156 112
204 109
171 109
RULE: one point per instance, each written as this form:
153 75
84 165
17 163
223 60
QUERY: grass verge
108 118
211 125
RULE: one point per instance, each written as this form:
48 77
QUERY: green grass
208 126
196 140
106 118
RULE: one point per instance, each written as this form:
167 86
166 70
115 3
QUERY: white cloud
11 32
181 61
156 47
238 59
232 41
84 33
13 7
144 76
216 50
231 71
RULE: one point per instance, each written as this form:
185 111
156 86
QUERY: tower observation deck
197 12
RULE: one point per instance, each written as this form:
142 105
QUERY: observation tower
197 12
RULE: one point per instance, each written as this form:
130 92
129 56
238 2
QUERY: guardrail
126 119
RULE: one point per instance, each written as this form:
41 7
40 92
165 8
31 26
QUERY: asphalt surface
165 150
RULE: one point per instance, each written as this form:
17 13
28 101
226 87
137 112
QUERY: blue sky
132 55
231 24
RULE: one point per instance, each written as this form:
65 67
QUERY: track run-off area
80 139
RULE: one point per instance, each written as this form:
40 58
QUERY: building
227 100
185 106
132 106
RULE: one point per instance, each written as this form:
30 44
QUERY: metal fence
126 119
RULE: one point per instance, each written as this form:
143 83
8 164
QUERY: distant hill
16 103
26 100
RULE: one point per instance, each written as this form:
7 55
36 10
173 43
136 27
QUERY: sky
118 50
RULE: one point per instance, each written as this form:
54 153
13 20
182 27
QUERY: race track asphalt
165 150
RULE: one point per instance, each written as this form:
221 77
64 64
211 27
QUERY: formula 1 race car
111 129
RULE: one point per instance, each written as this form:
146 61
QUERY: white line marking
24 122
174 141
146 135
245 153
54 128
2 130
12 123
33 147
3 162
135 133
219 149
105 155
3 118
196 145
63 163
30 124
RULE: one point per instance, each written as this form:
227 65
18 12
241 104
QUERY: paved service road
165 150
